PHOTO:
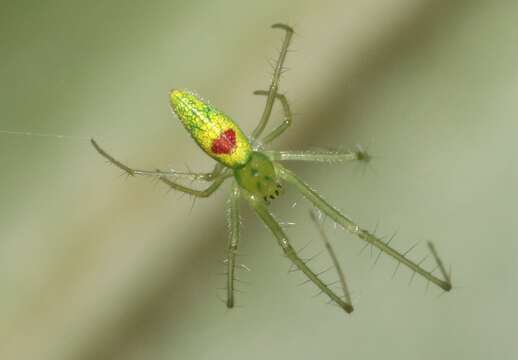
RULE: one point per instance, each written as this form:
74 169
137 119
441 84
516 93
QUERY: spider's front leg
217 176
265 215
355 229
331 252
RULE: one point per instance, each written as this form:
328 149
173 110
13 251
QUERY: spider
258 176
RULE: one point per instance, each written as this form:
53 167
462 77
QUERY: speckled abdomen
215 132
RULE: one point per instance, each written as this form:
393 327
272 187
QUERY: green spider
258 176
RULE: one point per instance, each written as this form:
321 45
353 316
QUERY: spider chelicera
257 176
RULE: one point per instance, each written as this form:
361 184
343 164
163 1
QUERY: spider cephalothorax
257 178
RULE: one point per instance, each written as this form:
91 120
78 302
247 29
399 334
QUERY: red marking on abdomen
225 144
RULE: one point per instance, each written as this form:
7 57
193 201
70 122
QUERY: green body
258 177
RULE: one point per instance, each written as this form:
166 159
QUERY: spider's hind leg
274 85
217 176
288 117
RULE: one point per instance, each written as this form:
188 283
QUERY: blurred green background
97 266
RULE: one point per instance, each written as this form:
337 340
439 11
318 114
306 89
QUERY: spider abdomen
216 133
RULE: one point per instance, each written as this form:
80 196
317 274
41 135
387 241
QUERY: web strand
47 135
